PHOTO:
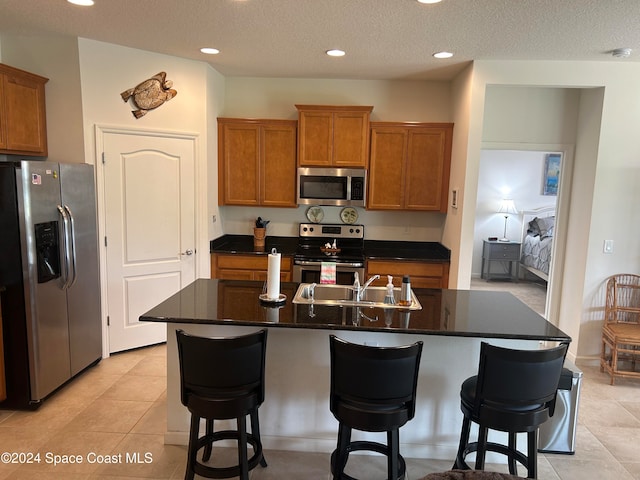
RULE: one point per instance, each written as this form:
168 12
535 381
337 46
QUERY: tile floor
118 407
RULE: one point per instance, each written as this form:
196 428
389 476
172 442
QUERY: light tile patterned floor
118 407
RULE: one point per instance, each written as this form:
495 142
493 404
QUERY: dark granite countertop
466 313
373 249
397 250
244 244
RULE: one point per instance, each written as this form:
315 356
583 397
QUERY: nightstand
495 251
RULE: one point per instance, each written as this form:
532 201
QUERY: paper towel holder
273 301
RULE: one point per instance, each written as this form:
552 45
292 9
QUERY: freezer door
45 301
83 292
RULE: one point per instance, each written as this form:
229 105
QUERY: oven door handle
307 263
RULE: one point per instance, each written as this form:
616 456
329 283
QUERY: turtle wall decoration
150 94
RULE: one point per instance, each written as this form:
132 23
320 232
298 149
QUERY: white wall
506 174
392 101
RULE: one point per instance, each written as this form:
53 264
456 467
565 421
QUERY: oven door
309 272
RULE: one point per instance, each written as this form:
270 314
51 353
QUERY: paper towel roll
273 276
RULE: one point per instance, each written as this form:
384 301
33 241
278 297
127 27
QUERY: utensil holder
259 235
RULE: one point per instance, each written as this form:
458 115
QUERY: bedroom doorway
526 178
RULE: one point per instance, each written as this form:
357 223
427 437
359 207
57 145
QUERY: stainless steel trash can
558 434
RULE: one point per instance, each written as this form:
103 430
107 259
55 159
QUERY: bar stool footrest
228 472
461 464
369 446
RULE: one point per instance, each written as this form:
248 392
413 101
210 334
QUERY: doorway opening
515 224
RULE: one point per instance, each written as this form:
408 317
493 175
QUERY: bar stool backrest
518 379
222 367
375 376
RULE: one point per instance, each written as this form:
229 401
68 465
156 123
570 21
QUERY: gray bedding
536 245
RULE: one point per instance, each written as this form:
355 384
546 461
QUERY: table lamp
507 207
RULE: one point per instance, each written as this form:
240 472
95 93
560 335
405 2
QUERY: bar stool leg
464 440
255 431
341 453
532 452
206 454
482 447
242 447
393 442
512 450
193 447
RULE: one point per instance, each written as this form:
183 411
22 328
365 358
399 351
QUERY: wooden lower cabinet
423 274
238 301
430 317
235 266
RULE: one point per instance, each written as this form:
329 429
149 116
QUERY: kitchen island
295 414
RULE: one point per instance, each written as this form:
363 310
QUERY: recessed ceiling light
443 54
429 1
336 53
82 3
210 51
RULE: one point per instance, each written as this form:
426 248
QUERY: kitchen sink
342 295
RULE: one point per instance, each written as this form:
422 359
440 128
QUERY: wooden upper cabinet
23 125
333 136
410 165
257 162
278 165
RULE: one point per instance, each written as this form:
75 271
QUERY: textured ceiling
384 39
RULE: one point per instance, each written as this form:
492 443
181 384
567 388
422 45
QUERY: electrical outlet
608 246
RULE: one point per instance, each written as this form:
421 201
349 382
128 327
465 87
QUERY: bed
537 241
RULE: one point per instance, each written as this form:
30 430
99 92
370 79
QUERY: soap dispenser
405 291
388 298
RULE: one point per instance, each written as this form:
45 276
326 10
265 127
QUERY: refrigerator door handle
66 254
72 247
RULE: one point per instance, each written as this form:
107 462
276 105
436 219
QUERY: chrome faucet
359 290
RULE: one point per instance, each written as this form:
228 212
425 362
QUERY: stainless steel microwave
332 186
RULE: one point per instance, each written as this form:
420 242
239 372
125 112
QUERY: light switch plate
608 246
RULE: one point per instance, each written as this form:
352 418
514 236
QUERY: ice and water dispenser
47 251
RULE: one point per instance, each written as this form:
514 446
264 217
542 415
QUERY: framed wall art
551 178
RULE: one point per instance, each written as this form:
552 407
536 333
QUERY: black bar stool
373 389
514 391
221 379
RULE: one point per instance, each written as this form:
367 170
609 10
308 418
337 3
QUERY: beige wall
608 161
392 101
107 70
57 59
604 194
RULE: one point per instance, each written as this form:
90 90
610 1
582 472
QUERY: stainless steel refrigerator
50 273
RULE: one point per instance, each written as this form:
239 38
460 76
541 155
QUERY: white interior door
149 200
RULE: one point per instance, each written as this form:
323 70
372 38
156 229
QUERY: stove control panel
329 230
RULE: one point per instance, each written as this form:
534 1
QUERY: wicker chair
621 329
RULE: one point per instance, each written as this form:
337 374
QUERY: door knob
188 252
